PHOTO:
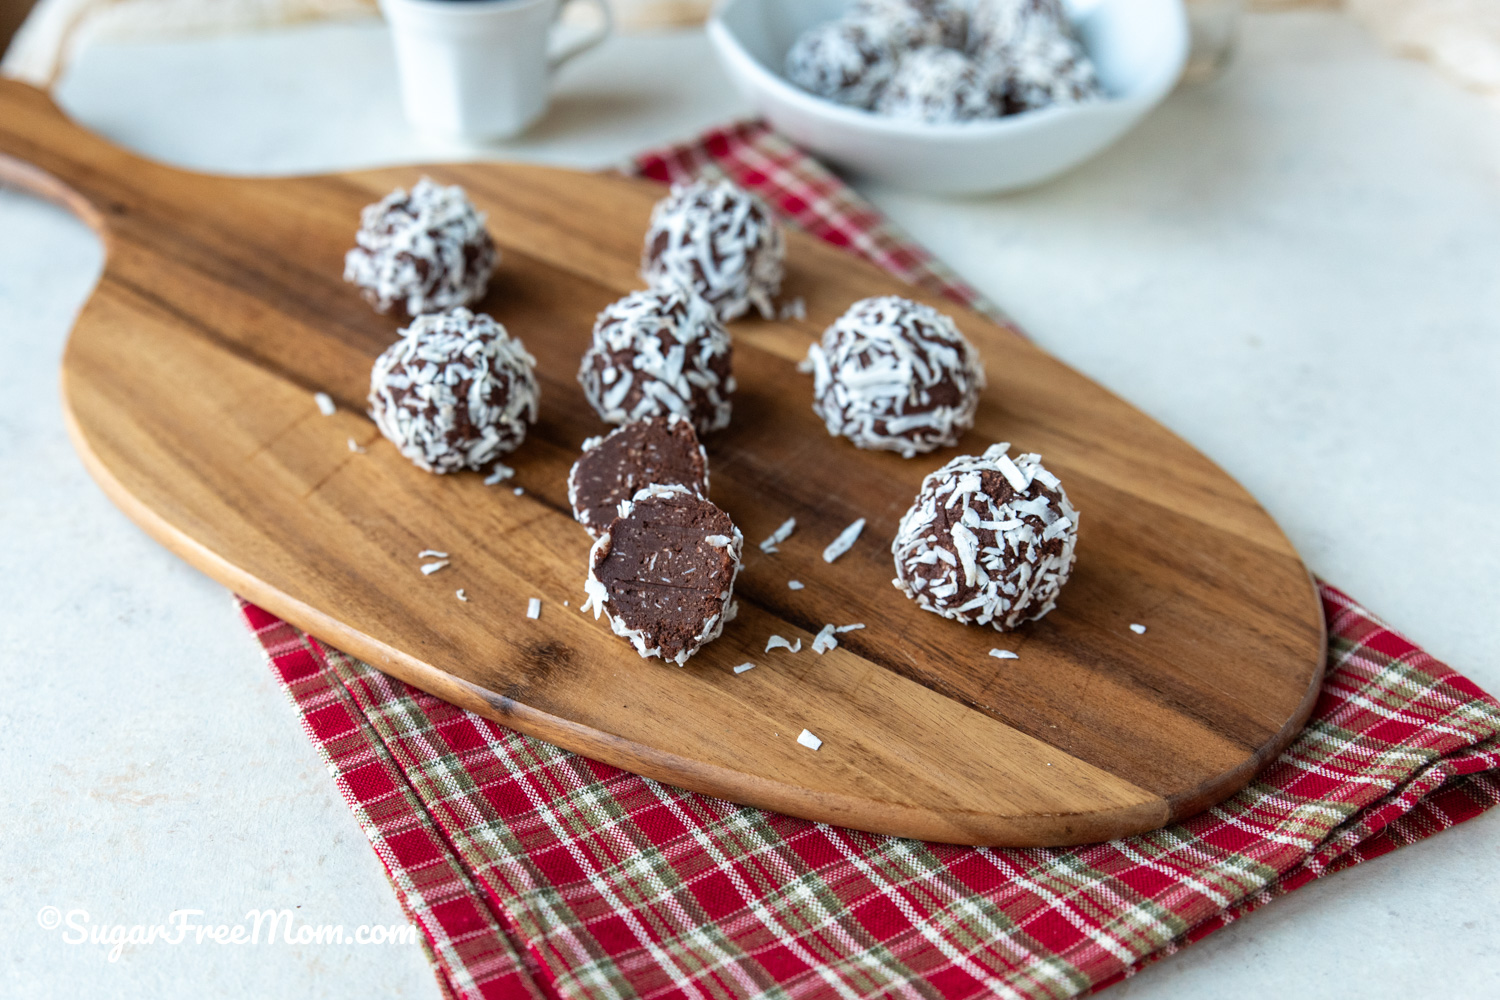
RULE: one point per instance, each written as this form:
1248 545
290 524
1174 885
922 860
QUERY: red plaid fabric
534 872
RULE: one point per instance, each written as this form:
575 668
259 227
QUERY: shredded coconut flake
850 628
777 642
431 554
743 667
824 640
778 536
325 403
518 491
1003 654
844 542
794 584
354 447
433 567
500 474
808 740
459 593
1138 629
534 608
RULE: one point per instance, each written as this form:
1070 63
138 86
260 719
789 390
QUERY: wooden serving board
189 384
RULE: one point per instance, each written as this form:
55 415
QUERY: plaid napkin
532 871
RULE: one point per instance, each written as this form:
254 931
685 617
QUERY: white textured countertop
1294 267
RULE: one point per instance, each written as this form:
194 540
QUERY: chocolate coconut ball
664 572
913 24
657 451
425 251
721 241
1032 53
939 85
455 392
896 375
658 353
1057 72
989 541
846 61
996 26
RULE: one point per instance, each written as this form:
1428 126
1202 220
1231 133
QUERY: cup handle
582 45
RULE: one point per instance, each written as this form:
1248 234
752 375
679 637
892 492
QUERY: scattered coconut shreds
518 491
850 628
719 541
431 554
777 642
794 584
795 309
354 447
1138 629
1003 654
743 667
459 593
430 568
778 536
808 740
500 474
844 542
824 640
534 608
325 403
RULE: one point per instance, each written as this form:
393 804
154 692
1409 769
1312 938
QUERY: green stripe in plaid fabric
533 871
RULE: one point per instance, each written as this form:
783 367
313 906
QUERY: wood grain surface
189 385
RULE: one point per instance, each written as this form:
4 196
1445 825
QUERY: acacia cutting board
189 385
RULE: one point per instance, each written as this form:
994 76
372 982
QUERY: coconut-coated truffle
988 541
722 242
455 392
422 251
657 353
896 375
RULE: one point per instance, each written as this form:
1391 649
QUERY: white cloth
56 28
1460 37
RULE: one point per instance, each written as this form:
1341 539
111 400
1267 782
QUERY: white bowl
1138 48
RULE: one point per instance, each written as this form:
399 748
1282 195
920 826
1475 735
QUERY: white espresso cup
480 69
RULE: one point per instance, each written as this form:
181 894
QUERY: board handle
44 152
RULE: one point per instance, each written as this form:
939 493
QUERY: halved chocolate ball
664 572
662 451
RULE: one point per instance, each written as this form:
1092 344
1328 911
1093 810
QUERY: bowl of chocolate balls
953 96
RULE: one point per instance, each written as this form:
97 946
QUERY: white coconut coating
938 85
656 353
1032 53
848 61
913 24
455 392
1054 73
988 541
721 241
896 375
425 250
998 25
